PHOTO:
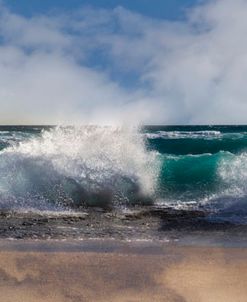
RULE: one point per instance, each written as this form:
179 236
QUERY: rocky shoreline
144 223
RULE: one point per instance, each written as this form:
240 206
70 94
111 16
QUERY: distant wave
183 134
183 143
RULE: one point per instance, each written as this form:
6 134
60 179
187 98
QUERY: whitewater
72 168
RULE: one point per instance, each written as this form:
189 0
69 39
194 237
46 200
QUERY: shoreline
148 254
147 224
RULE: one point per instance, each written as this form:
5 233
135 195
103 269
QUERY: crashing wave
76 166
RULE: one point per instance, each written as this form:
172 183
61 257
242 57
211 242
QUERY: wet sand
56 271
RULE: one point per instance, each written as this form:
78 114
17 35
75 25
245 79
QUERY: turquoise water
202 166
199 161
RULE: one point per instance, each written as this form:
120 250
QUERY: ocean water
63 168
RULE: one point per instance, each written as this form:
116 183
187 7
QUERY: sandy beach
160 272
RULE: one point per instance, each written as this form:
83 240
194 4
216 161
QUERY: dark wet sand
37 271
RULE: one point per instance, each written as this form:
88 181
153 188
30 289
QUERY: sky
111 62
164 9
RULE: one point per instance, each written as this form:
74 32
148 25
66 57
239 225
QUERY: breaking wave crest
216 181
76 166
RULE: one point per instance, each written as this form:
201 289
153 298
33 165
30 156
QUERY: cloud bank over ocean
110 66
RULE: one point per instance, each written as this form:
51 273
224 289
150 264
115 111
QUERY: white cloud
42 81
191 71
194 70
